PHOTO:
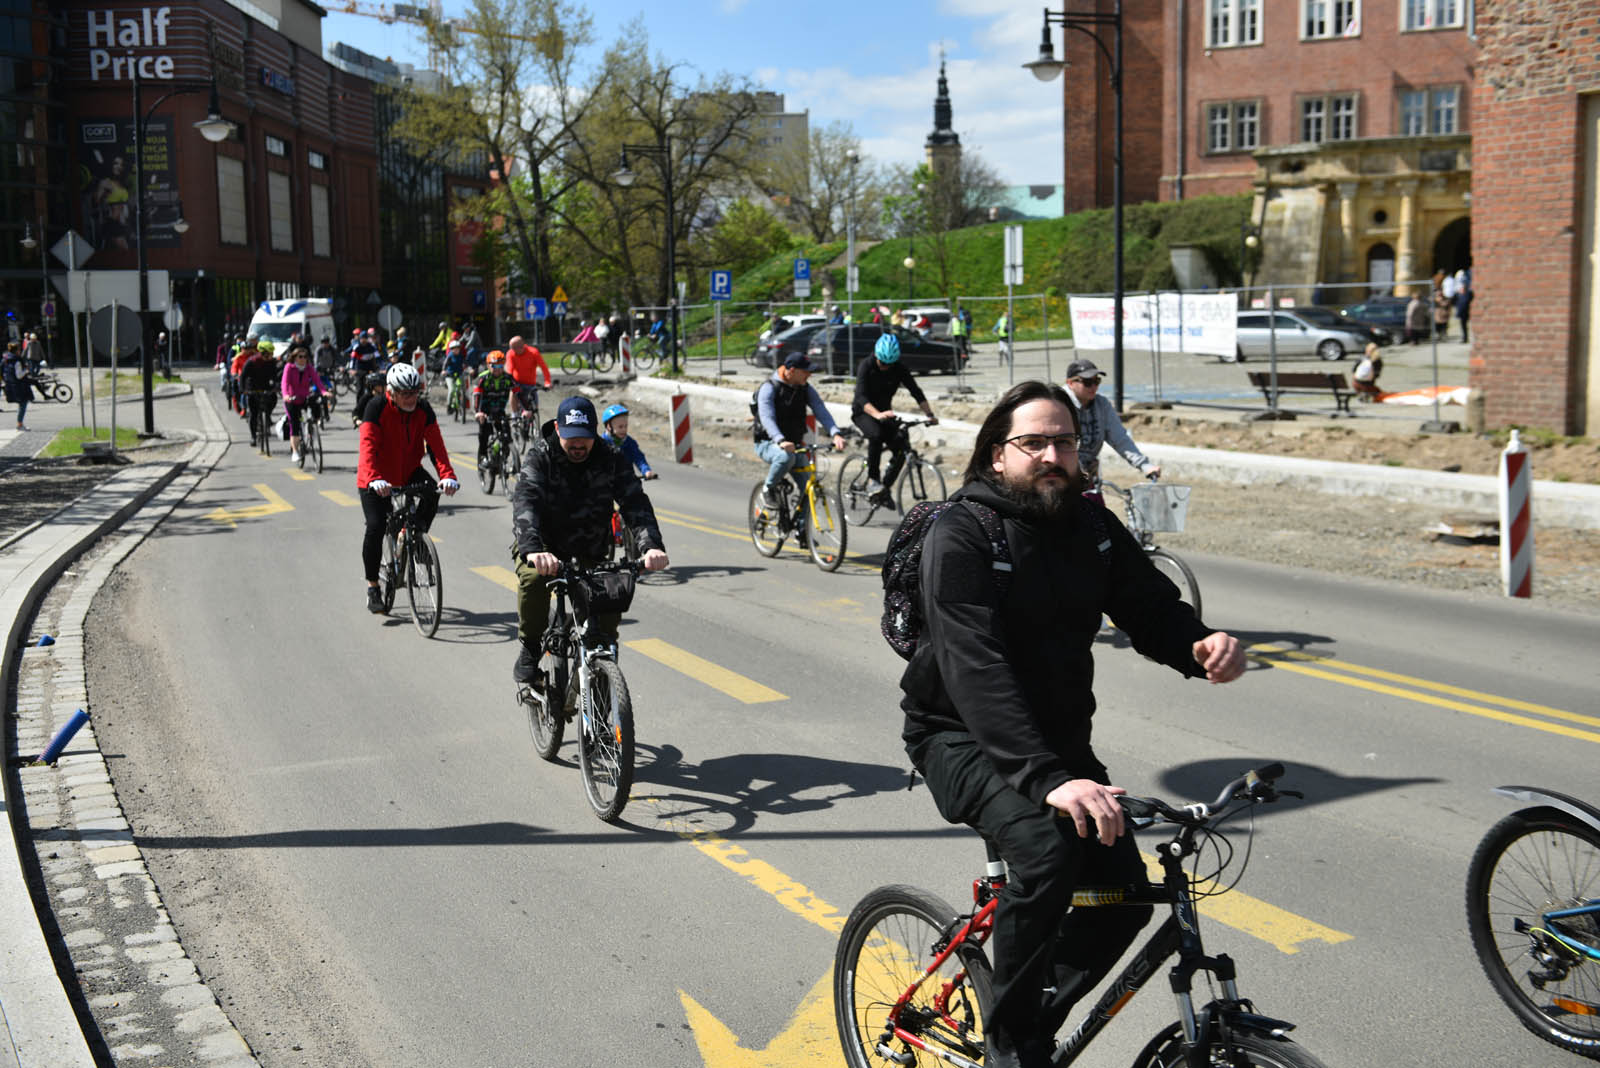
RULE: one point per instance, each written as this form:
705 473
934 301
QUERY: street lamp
213 128
1249 239
1047 68
30 243
661 152
911 274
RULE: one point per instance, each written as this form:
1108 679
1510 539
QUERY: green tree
745 236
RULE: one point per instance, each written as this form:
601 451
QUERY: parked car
1300 332
1386 316
837 349
938 319
789 322
771 351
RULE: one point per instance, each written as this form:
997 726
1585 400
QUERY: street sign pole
1013 279
116 354
94 411
717 309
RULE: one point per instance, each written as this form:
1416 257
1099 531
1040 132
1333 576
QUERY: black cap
798 360
575 418
1084 369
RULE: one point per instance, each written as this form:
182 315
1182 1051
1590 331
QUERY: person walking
1416 319
18 380
1441 312
1463 301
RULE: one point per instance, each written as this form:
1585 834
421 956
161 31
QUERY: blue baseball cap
575 418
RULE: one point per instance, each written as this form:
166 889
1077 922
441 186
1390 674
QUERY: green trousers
533 609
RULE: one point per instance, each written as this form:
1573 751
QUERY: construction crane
431 18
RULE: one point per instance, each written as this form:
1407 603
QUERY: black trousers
1045 957
879 435
377 509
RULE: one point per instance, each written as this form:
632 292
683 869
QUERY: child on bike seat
615 419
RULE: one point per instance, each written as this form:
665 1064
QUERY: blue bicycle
1533 907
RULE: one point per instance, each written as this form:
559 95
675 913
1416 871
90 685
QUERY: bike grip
1267 772
1138 807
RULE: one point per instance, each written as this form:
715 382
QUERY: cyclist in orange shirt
525 364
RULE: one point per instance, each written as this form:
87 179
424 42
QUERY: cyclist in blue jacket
615 419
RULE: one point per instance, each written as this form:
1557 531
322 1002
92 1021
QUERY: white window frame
1326 20
1420 16
321 221
1233 23
233 221
1436 102
276 146
1228 117
1333 111
280 212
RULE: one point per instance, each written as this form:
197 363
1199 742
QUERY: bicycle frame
563 641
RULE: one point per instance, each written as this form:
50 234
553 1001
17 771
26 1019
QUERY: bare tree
816 190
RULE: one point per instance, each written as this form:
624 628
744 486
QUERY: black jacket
1018 676
877 386
565 508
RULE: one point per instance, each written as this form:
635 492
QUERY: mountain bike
816 519
456 402
411 559
311 432
1152 507
526 424
260 403
581 678
645 353
599 359
50 387
1533 910
503 461
920 480
910 976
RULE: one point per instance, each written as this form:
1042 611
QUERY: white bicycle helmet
403 378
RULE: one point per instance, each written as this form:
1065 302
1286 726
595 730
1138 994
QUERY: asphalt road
371 866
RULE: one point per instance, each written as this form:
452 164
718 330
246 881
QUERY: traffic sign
1013 264
721 285
172 318
559 296
49 309
389 317
535 308
802 288
558 308
480 299
115 326
802 271
72 250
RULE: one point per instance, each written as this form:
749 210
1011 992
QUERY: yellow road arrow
274 505
809 1040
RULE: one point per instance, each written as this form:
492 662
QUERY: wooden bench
1313 382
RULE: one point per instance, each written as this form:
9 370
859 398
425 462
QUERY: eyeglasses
1092 383
406 392
1036 444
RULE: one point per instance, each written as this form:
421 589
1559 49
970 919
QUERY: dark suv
837 349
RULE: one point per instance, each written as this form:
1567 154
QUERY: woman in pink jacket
300 387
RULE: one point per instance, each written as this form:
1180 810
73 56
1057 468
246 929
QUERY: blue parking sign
721 285
802 270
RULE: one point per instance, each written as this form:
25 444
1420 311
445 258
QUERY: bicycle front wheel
486 471
572 363
605 744
424 582
1531 864
884 953
311 442
387 572
547 717
766 532
513 460
1238 1049
854 493
826 529
62 392
1178 571
602 361
920 481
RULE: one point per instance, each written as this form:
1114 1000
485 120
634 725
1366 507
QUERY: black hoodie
565 508
1019 676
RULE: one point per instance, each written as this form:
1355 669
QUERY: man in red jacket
395 429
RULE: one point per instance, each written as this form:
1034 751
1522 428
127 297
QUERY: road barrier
682 438
1516 520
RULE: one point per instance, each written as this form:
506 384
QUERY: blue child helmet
612 412
887 350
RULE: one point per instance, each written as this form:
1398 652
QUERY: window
280 215
1234 126
1430 111
321 229
1232 22
1330 18
277 147
316 160
232 227
1431 14
1328 118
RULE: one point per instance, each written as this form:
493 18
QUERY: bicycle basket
1160 506
602 592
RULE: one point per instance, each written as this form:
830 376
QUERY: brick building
1536 141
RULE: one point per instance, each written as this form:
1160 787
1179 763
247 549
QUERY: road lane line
1429 699
1277 927
341 498
683 515
275 504
299 475
715 676
660 518
500 576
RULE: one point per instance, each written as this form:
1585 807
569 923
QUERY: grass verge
69 441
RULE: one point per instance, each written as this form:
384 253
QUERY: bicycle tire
424 583
766 532
513 464
314 443
62 393
602 361
546 721
605 742
920 481
571 362
886 944
646 359
853 492
1180 574
827 531
1238 1049
1529 863
486 471
387 573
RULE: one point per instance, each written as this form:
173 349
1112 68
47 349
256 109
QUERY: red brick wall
1536 57
1089 106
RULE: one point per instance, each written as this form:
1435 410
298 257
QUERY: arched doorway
1452 249
1380 269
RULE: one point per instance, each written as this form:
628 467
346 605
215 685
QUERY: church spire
943 126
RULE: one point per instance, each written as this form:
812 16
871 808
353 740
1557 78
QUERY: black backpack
902 621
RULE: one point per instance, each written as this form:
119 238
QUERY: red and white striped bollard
1516 520
682 438
625 349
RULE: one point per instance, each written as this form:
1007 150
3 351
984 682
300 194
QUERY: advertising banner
1204 324
105 175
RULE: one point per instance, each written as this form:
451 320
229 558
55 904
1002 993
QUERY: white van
279 320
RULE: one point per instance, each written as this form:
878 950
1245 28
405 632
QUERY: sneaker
294 456
883 499
375 601
874 486
769 498
526 670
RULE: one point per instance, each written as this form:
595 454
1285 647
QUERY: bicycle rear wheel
387 572
486 470
424 582
853 492
547 718
1238 1049
572 363
1530 864
605 741
920 481
62 392
766 532
313 441
884 950
602 361
1178 571
826 529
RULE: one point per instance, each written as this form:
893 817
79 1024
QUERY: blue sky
874 65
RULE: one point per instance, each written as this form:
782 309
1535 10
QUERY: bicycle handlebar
1254 785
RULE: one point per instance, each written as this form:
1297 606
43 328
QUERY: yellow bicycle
815 519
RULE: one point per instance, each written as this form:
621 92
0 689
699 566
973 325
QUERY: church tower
944 144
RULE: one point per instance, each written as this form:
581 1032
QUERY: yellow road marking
682 515
807 1041
502 576
464 462
1277 927
274 505
715 676
341 498
299 475
660 518
1271 655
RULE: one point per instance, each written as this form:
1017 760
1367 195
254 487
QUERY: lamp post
28 242
850 243
910 263
662 153
1047 68
213 128
1249 239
